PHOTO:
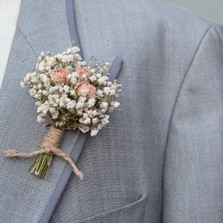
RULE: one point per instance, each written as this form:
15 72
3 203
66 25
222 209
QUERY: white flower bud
106 90
95 120
104 104
32 92
92 78
40 118
22 84
116 104
55 115
71 105
98 75
94 132
91 102
87 121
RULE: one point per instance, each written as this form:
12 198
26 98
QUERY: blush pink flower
86 89
83 71
59 76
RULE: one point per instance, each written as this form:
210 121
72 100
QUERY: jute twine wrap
50 145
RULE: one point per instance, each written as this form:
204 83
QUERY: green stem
40 166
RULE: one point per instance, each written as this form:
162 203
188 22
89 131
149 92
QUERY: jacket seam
27 41
174 106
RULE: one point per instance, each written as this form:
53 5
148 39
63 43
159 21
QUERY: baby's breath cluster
72 94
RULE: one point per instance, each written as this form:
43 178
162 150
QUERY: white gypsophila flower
37 103
71 105
61 89
92 78
107 64
95 113
55 88
91 102
66 100
47 85
85 115
59 124
66 88
55 96
104 104
68 51
73 80
106 90
79 111
90 113
94 132
41 66
37 96
112 92
52 110
70 58
72 92
33 79
39 86
105 120
81 63
87 121
45 92
51 62
32 92
64 58
77 57
100 93
79 105
82 99
109 83
62 104
98 75
75 49
99 126
43 107
104 110
84 128
95 120
22 84
55 115
101 81
116 104
40 118
39 92
106 78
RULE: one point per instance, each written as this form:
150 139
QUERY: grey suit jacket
160 159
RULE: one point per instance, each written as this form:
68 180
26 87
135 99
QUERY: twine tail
14 153
59 152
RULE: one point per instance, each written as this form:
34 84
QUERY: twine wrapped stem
49 147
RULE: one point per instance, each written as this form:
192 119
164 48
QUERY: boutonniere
70 94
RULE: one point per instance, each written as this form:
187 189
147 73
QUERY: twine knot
50 145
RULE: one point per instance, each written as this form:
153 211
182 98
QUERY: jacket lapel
20 191
18 127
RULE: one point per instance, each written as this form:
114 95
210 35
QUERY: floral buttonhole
70 94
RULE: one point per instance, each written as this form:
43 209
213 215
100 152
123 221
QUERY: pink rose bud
83 71
86 89
59 76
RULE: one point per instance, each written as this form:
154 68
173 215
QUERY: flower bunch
72 94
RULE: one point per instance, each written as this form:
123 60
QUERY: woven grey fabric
160 157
